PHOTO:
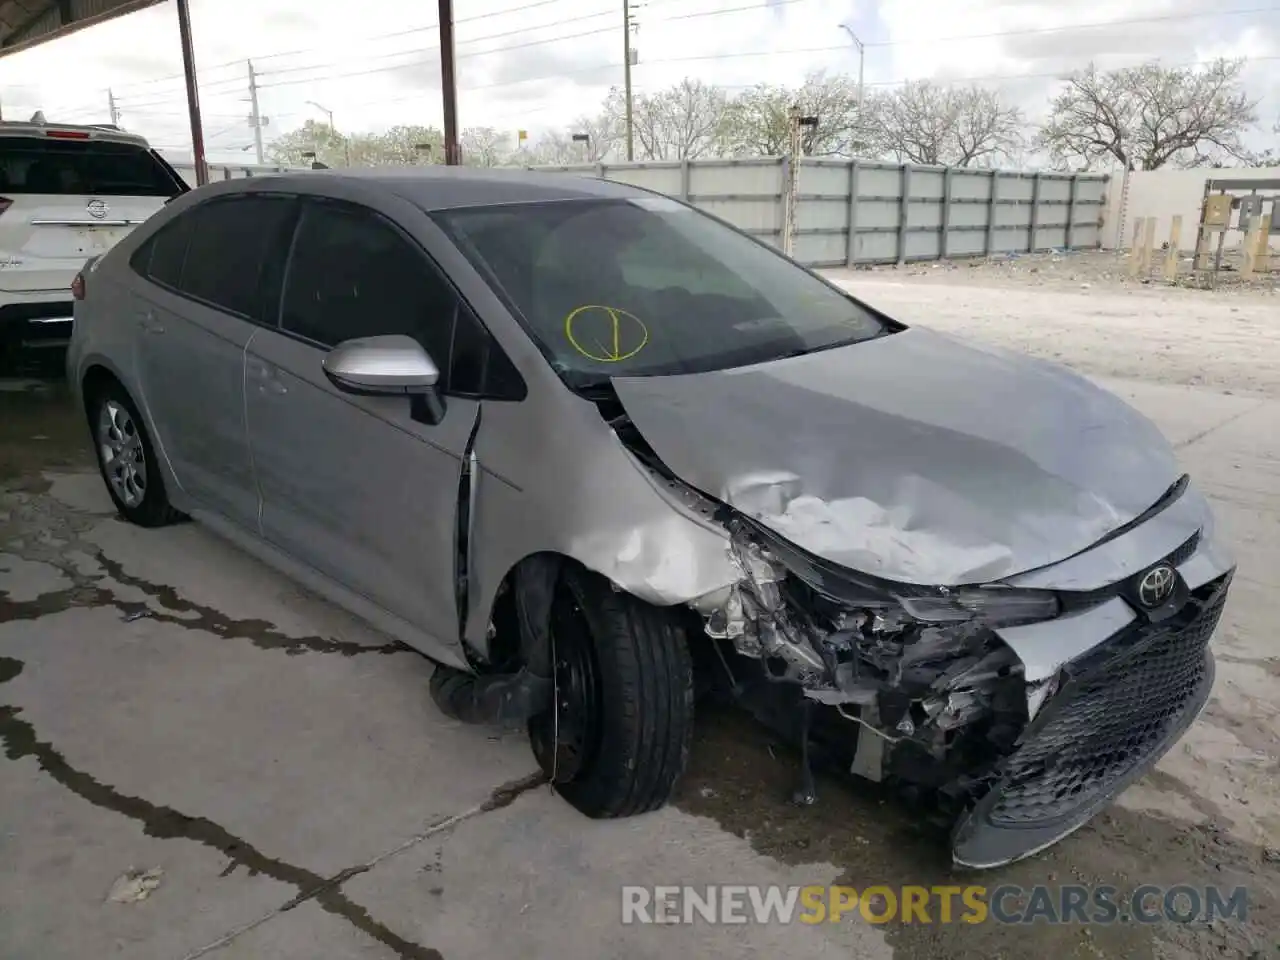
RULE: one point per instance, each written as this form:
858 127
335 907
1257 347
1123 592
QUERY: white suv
67 194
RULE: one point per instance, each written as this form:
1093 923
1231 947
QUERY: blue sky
537 65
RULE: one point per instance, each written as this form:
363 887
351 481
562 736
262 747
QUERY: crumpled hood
914 457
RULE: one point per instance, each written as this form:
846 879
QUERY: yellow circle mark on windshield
605 334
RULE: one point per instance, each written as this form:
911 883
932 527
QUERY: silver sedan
595 452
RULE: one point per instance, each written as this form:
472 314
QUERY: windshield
644 287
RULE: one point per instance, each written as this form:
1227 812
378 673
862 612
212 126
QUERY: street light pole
862 56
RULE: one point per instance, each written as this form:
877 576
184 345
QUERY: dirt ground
167 702
1081 309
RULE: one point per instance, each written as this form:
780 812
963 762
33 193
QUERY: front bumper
1119 708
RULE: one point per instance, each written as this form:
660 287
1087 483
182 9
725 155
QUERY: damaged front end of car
943 709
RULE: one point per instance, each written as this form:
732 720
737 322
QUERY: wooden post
1252 243
1148 241
1171 256
1135 251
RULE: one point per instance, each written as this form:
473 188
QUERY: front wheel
616 740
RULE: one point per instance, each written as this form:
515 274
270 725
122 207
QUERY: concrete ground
177 720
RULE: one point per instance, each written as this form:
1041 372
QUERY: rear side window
160 258
82 167
232 242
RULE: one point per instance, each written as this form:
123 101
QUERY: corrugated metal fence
224 171
861 211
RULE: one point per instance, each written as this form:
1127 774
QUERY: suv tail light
67 134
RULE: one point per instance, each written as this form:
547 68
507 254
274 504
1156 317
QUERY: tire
635 709
133 477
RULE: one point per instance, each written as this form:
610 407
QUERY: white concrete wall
223 171
1164 194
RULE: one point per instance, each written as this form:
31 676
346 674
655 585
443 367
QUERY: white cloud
375 63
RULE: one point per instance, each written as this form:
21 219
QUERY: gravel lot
168 703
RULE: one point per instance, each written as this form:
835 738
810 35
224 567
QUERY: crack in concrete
20 741
87 591
1197 437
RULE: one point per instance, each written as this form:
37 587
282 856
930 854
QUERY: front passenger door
352 485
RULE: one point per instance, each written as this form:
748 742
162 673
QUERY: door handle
150 324
268 378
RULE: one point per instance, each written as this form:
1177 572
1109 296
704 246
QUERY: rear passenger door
215 272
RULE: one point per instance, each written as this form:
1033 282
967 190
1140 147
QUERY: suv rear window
82 167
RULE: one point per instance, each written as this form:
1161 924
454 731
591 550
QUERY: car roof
91 132
441 187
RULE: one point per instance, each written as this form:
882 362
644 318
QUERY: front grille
1116 718
1080 599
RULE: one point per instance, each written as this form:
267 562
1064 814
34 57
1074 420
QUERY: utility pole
255 116
114 111
626 72
449 86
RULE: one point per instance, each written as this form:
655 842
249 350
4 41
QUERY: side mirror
393 365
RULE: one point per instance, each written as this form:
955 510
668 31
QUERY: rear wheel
616 739
127 459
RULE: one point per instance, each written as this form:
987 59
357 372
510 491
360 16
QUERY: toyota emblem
1156 586
97 209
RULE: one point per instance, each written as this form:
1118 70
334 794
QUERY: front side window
648 287
353 274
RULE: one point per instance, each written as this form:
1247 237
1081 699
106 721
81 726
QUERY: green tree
326 143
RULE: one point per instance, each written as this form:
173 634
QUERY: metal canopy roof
26 23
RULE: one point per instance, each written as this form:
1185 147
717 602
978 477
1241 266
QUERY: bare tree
681 123
484 146
756 121
1149 116
925 122
553 149
604 130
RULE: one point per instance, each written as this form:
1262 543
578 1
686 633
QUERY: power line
226 85
493 36
412 30
767 53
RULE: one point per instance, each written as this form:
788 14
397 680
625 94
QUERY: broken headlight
993 606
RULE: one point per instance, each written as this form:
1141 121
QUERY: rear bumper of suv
38 321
